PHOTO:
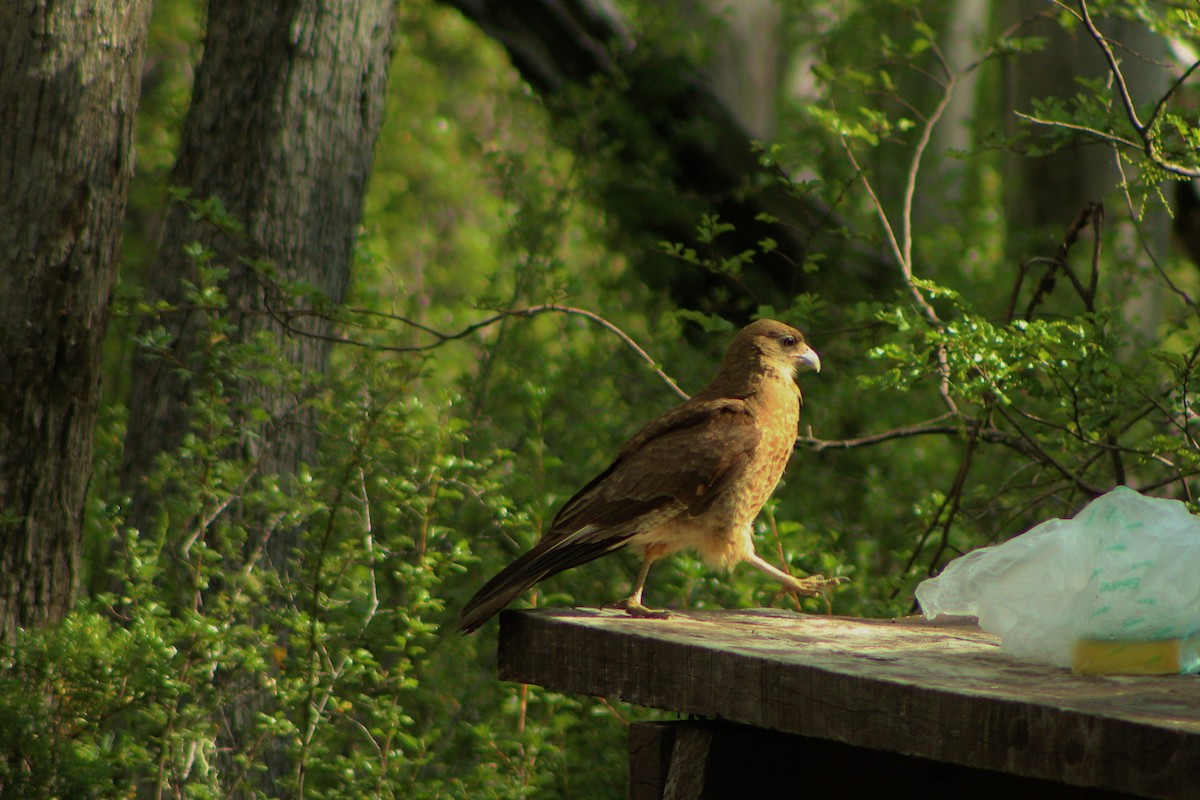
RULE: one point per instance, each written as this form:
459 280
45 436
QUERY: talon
634 608
815 585
641 612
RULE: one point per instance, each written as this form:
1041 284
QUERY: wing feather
677 464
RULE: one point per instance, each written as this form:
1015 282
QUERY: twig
1073 126
1133 215
1149 144
1049 460
1115 69
954 499
1162 101
933 427
284 318
1092 214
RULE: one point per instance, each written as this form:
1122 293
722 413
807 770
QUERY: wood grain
938 691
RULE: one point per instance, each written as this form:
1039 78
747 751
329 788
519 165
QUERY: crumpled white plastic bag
1126 567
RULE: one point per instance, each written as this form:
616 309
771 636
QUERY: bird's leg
812 586
633 604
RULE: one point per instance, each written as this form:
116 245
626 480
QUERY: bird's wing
677 464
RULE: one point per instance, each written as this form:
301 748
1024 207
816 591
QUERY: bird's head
772 345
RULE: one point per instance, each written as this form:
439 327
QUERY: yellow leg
633 604
813 586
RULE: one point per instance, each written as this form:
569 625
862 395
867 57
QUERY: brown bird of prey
696 478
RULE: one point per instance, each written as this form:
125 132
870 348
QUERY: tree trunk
286 107
747 64
675 152
287 104
1045 194
69 83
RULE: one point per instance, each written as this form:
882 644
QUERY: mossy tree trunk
286 107
70 76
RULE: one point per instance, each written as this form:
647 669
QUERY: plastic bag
1125 569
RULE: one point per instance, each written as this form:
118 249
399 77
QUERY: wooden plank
939 692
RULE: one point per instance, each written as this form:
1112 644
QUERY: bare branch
284 317
953 500
933 427
1049 460
1071 126
1149 144
1115 68
1162 101
1142 240
1092 214
902 249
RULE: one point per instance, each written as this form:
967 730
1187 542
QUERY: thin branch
284 318
1071 126
893 241
1115 68
1022 270
902 250
1145 244
1184 424
1048 459
1162 101
1149 144
1093 213
942 517
933 427
954 498
1097 245
1181 477
910 191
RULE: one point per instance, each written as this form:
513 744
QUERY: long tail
548 557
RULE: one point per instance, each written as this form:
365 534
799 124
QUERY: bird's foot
814 585
634 608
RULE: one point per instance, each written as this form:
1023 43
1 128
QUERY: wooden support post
650 746
703 760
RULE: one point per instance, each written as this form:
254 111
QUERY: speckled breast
778 414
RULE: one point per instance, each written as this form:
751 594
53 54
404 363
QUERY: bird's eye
787 340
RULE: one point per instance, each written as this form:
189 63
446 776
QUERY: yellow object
1115 657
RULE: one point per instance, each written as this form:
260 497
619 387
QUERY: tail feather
545 559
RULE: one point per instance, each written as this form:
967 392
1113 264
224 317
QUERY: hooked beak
809 358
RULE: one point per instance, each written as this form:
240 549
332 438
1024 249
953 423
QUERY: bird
694 478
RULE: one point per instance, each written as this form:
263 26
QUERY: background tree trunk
287 103
286 107
677 152
69 84
1047 193
748 61
1044 195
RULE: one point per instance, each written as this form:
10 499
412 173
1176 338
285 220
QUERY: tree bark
286 107
70 77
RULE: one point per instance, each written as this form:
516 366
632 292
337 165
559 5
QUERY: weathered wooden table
853 707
